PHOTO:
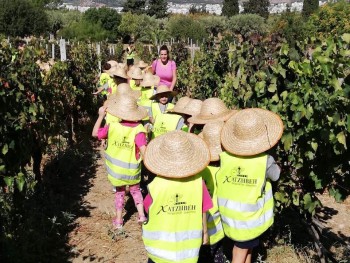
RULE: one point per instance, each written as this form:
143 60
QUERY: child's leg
119 203
138 199
239 255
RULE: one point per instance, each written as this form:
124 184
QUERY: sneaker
114 189
142 219
117 224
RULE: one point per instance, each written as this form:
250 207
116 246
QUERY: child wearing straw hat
117 76
171 120
103 80
244 190
136 76
126 141
177 200
214 251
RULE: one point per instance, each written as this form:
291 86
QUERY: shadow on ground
47 216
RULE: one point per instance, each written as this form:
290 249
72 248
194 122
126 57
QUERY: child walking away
244 190
176 225
125 141
103 80
214 251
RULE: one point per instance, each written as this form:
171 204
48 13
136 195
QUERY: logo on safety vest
238 177
123 144
177 205
160 129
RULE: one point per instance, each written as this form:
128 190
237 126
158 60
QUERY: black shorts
247 244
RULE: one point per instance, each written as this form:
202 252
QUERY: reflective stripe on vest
122 166
171 236
165 123
242 207
245 198
187 254
214 225
120 163
173 232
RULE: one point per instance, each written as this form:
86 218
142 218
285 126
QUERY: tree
108 18
230 8
135 6
21 18
49 3
259 7
157 8
309 6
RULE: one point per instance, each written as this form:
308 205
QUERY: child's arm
100 89
101 115
273 171
142 151
205 236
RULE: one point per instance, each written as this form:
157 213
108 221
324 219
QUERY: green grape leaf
20 180
5 149
342 139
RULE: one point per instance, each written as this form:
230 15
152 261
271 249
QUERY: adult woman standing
165 68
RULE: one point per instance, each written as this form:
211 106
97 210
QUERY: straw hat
192 108
177 154
125 89
212 109
113 63
135 73
150 80
117 71
180 105
126 108
211 135
142 64
163 90
251 131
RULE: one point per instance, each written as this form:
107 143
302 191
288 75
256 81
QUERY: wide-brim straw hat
177 154
125 89
163 90
180 105
212 109
113 63
135 73
116 71
150 80
192 108
142 64
251 131
211 135
125 107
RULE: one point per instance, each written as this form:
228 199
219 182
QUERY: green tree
182 27
135 6
309 7
21 18
157 8
259 7
136 26
247 24
85 30
230 8
108 18
48 3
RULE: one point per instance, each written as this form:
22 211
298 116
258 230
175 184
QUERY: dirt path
94 240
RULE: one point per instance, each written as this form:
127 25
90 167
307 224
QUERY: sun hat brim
214 150
201 119
134 76
162 164
258 144
114 109
168 93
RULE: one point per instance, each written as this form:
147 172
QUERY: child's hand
102 111
205 238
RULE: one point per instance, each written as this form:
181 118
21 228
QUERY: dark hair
106 66
164 47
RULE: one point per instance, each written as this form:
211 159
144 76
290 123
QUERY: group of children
212 172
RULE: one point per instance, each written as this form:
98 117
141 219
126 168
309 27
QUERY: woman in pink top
165 68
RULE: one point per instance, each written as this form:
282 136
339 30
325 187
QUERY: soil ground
94 240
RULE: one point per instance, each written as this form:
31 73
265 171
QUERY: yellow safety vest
173 232
133 86
111 118
112 86
104 77
156 110
144 100
130 55
245 198
165 123
122 166
215 229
